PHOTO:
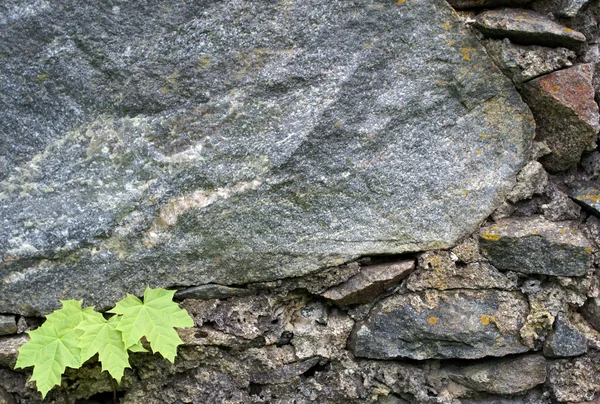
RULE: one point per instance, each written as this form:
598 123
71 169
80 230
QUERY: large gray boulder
234 142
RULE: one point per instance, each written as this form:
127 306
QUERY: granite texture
527 27
566 113
535 245
452 324
229 143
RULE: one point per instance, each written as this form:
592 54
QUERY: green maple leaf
101 336
54 346
154 318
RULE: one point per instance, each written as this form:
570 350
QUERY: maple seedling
71 335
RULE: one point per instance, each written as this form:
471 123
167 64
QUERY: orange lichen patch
447 26
479 151
485 319
591 197
555 89
467 53
432 320
588 250
490 236
401 1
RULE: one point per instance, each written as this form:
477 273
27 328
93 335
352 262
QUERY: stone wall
357 201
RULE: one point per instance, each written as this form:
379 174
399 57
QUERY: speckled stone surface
452 324
527 27
566 114
535 245
234 142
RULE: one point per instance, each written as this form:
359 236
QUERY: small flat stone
523 63
451 324
588 196
8 324
526 27
534 245
369 282
560 207
9 349
437 270
531 180
565 340
501 376
462 4
566 114
211 291
312 337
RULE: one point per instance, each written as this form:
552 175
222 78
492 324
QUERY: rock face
565 340
566 114
453 324
527 27
227 143
537 246
504 376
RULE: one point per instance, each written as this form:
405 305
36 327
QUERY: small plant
72 335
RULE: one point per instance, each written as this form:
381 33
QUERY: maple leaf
54 346
154 318
102 337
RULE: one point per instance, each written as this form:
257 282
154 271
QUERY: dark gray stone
229 143
6 398
8 324
591 164
560 207
370 282
565 339
451 324
523 63
8 349
527 27
534 245
211 291
502 376
591 312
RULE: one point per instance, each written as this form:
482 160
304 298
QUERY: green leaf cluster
71 335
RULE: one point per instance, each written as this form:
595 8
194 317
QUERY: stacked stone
347 195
